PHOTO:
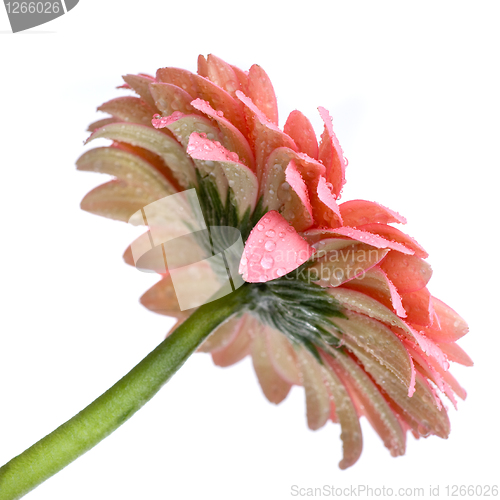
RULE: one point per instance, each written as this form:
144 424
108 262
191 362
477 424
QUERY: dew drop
270 246
267 262
281 271
271 233
260 227
262 278
282 234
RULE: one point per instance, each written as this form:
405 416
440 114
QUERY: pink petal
260 90
274 387
232 139
242 78
314 235
223 335
240 178
452 325
455 353
267 136
352 438
299 128
340 266
295 180
168 149
283 356
408 272
140 84
394 234
222 74
357 212
129 109
180 78
202 66
419 307
240 345
326 197
375 283
170 98
331 155
317 398
372 403
272 250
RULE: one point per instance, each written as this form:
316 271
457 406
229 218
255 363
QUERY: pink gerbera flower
340 303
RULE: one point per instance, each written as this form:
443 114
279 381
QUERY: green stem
82 432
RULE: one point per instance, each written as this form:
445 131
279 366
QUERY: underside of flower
339 301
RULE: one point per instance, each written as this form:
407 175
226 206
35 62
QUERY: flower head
340 303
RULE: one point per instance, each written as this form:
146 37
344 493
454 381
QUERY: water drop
282 234
267 262
260 227
281 272
270 246
270 233
262 278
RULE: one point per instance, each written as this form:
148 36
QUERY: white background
413 91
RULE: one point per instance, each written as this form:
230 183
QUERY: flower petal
180 78
274 387
340 266
326 209
155 141
222 74
331 155
267 136
374 406
232 138
375 283
381 343
357 212
394 234
170 98
419 307
299 128
240 344
317 397
241 179
352 438
127 167
408 272
283 356
223 335
455 353
140 84
452 326
129 109
162 299
116 200
260 90
297 209
272 250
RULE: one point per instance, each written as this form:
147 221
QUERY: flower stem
82 432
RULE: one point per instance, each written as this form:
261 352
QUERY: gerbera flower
339 301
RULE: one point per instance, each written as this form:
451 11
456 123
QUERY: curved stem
82 432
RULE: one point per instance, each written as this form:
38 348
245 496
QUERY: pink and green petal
317 397
240 178
140 85
375 283
331 155
381 343
162 299
180 78
170 98
129 109
371 403
299 128
326 209
452 326
345 412
169 150
283 357
232 138
273 386
359 212
272 250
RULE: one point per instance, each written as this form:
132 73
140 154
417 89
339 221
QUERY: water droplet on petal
260 227
270 233
270 246
263 277
267 262
281 271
